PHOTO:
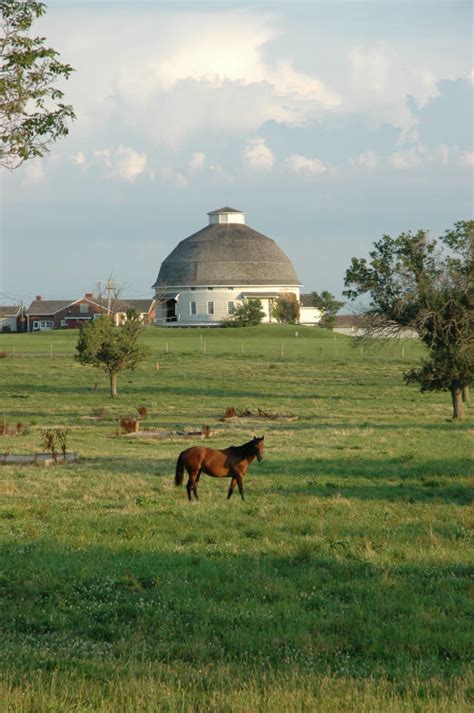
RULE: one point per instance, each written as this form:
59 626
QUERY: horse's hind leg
233 483
240 483
193 480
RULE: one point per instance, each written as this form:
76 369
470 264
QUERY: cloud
402 160
258 156
33 171
188 72
366 160
301 164
467 158
123 162
79 158
197 161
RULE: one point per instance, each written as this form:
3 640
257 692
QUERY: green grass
342 583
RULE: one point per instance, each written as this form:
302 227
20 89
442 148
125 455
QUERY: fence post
166 348
50 350
282 352
241 347
403 351
204 346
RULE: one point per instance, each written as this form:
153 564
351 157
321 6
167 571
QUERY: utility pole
111 287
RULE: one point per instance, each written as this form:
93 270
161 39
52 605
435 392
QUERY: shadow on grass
70 609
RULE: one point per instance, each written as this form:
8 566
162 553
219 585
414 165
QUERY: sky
329 124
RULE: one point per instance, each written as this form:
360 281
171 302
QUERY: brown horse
231 462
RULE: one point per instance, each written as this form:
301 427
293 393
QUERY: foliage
286 308
426 285
32 114
112 348
329 306
248 314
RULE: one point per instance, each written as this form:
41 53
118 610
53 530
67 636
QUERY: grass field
342 583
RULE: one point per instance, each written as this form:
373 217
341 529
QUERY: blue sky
329 124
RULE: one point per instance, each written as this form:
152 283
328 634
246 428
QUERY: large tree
328 305
427 285
32 114
111 348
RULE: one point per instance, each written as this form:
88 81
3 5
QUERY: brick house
43 315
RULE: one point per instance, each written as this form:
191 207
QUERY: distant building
212 271
12 318
309 314
45 315
355 325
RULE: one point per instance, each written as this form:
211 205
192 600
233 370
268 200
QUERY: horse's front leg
233 483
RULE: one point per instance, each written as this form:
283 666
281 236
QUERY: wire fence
270 348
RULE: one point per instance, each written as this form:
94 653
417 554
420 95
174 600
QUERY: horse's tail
178 478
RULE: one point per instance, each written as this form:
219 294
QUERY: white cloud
411 158
188 72
258 155
79 158
366 160
467 158
33 171
123 162
197 161
301 164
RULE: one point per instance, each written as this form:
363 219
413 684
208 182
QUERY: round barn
207 275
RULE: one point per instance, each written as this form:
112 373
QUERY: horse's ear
255 438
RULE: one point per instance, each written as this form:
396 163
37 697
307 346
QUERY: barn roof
226 254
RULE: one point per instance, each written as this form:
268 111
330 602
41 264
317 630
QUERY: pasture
342 583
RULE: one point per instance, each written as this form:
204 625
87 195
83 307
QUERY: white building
208 274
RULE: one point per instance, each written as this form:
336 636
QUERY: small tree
425 285
31 111
329 306
286 308
247 314
111 348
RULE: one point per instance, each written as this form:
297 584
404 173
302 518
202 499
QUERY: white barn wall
221 296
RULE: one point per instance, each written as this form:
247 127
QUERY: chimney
88 295
38 298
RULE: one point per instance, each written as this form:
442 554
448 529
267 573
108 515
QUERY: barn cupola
226 215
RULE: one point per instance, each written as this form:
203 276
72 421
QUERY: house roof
9 310
350 320
141 306
226 209
226 254
42 307
306 300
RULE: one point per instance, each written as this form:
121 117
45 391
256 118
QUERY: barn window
210 308
230 307
192 307
83 308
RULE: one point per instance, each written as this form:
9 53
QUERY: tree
32 114
329 306
247 314
426 285
286 308
112 348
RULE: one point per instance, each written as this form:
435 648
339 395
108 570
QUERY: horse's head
259 447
